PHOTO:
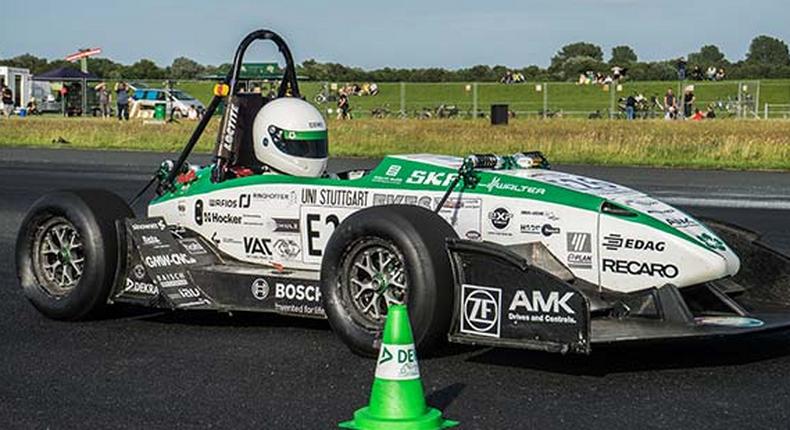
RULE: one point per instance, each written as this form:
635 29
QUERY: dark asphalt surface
136 369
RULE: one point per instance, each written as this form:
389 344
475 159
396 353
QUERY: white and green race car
484 249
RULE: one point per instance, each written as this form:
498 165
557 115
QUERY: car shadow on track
634 357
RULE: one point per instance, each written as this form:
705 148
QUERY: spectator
670 104
7 101
343 109
122 94
617 73
688 101
720 74
698 116
32 107
630 107
711 113
192 113
681 65
374 89
104 100
696 73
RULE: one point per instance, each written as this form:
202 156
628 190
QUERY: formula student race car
484 250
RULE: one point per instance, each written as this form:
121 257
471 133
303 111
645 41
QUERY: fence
548 99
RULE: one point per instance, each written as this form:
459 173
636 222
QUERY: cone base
431 420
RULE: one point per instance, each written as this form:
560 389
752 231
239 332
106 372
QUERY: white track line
728 203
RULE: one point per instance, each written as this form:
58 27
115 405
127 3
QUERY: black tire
91 214
417 236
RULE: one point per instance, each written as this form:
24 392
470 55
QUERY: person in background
343 108
630 107
192 113
698 116
122 99
104 100
670 104
711 113
688 102
32 107
7 100
681 65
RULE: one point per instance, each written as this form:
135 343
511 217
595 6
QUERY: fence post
474 100
545 100
403 99
757 101
765 111
740 100
612 90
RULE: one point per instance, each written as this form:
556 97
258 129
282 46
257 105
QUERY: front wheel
67 252
382 256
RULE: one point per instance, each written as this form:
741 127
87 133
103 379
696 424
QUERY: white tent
19 80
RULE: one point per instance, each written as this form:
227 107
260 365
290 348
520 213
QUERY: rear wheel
382 256
67 251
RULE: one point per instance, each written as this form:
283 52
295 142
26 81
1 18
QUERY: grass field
708 144
574 100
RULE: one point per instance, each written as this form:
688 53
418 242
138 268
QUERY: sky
395 33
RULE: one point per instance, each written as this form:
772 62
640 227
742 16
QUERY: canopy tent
68 74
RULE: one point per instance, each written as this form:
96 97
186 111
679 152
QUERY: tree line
767 57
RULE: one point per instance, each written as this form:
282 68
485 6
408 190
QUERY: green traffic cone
397 401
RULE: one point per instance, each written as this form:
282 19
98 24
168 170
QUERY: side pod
503 300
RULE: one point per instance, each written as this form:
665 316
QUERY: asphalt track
138 369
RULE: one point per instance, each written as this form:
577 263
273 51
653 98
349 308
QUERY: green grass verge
707 144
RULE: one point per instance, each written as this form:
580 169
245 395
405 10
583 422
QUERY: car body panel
286 220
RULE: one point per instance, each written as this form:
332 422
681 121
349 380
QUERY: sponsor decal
138 271
335 197
203 216
189 293
158 225
581 183
579 247
539 307
169 280
193 246
392 171
551 216
579 242
729 321
215 238
151 240
286 225
140 287
680 222
242 202
712 242
167 260
614 242
497 184
660 211
473 235
298 298
481 309
230 128
290 197
260 289
640 202
531 228
287 248
548 229
500 218
257 246
439 179
400 199
630 267
397 363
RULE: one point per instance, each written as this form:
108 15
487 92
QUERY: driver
290 137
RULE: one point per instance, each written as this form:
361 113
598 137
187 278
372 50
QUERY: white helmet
290 136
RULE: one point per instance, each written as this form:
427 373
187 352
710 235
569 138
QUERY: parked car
178 100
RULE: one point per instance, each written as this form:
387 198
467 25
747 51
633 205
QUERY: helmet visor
305 144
